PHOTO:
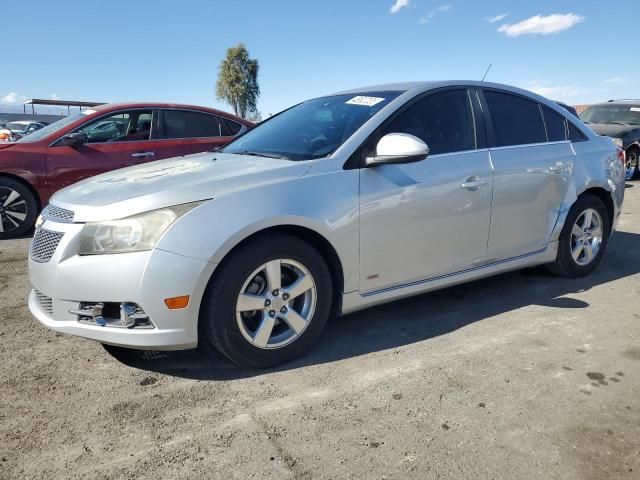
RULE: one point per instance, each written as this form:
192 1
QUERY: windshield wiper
261 154
617 123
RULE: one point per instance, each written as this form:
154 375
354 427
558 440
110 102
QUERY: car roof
23 122
120 105
429 85
622 101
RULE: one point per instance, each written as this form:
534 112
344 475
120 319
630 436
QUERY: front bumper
143 278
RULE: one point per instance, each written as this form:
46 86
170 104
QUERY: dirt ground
516 377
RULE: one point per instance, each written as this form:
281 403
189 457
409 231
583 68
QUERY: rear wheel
268 302
583 239
18 208
632 167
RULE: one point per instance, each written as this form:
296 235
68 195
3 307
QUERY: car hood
174 181
611 130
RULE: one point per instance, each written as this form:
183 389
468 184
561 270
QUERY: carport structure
58 103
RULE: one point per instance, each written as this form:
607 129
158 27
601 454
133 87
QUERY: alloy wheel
13 210
586 237
276 304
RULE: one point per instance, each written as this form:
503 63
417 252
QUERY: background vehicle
13 131
620 120
95 141
336 204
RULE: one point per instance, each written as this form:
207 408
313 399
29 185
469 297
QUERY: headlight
618 142
132 234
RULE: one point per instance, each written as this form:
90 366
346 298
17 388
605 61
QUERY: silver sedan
334 205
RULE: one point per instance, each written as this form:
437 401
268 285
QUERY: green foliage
238 81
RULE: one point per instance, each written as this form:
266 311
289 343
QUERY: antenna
485 73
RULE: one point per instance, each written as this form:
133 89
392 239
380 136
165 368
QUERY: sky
577 51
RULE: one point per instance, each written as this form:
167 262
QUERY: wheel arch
605 196
309 235
26 184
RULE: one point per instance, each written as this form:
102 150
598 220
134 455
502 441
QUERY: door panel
530 183
418 221
68 165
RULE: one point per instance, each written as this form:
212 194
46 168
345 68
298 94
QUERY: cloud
54 96
400 4
616 80
427 18
559 92
12 98
497 18
540 25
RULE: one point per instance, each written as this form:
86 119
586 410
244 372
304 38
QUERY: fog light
111 314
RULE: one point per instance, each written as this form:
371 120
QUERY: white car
15 130
337 204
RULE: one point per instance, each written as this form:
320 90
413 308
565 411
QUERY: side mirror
398 148
73 139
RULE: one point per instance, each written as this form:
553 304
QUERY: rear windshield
614 114
313 129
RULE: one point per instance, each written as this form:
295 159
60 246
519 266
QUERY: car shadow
413 320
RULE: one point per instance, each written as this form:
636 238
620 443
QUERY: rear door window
556 125
516 120
189 124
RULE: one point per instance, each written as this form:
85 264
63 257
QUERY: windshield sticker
364 101
635 109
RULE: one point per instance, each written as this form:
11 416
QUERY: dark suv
620 120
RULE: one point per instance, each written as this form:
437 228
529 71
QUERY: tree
238 81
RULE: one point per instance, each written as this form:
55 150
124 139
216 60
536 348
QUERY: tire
266 336
18 208
566 264
632 162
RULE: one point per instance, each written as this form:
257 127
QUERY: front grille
57 214
44 245
46 303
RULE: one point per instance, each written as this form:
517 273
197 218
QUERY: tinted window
185 124
133 126
442 120
516 120
556 125
576 135
232 127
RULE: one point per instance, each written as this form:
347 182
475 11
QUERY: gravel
520 376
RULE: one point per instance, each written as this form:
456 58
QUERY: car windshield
612 114
54 127
313 129
15 126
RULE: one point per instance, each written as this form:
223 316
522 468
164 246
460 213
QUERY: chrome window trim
524 145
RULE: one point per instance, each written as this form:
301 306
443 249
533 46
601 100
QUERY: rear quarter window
556 125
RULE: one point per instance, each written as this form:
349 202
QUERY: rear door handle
143 154
556 168
472 183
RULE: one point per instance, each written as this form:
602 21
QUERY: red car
95 141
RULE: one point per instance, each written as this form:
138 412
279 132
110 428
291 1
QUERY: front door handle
472 183
143 154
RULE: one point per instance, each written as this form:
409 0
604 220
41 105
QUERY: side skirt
355 301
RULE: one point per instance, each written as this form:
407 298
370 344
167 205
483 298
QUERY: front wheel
583 239
268 302
18 209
